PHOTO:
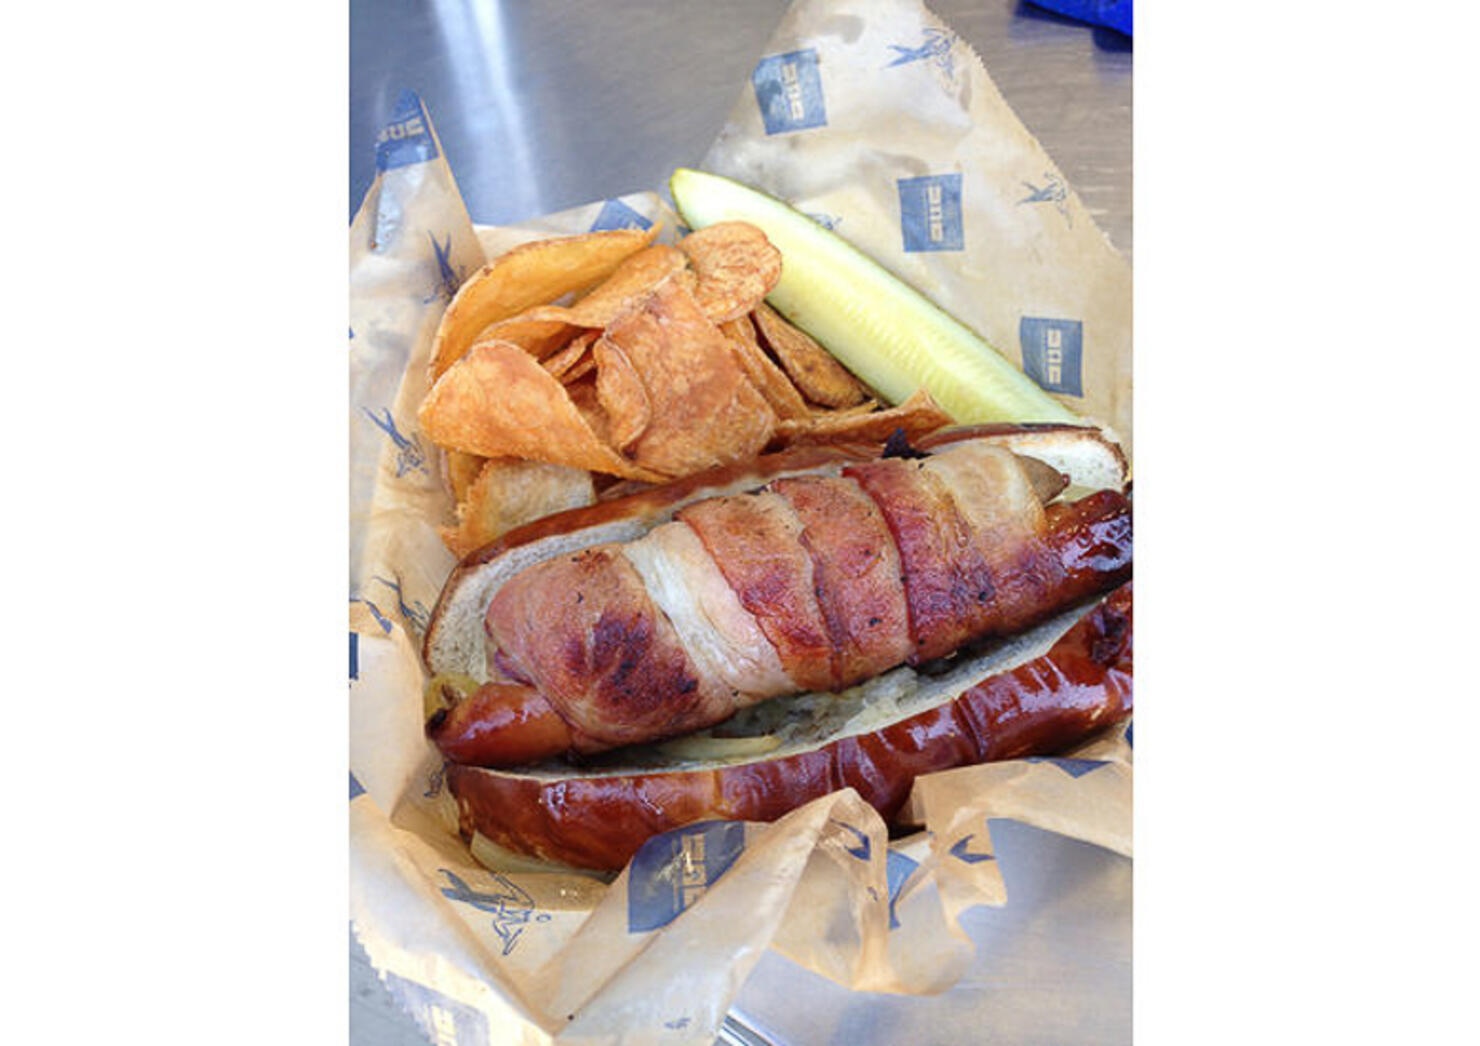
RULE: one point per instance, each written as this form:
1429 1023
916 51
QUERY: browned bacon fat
813 582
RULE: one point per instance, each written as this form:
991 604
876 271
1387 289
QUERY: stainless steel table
546 104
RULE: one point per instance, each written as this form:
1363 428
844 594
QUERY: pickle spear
882 329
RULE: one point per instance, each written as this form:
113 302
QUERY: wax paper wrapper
481 948
874 118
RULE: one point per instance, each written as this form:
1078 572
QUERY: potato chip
497 401
620 392
529 275
461 470
917 415
705 411
632 281
568 357
816 372
583 367
507 493
587 402
540 338
770 379
865 407
736 266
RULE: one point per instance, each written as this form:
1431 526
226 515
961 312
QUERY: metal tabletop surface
543 105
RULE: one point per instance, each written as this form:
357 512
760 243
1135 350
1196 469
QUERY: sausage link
974 563
500 724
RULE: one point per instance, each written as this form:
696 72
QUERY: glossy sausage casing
1082 684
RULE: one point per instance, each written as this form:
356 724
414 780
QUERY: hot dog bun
1034 693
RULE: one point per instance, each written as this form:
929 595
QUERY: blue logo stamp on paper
897 871
788 90
962 851
1072 767
415 613
449 279
510 905
354 655
355 788
930 213
380 619
617 215
1053 353
409 455
445 1021
407 136
935 47
673 870
861 847
1054 191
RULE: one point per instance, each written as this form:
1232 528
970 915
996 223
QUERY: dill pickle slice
879 327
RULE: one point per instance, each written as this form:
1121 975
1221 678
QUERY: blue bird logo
863 849
511 906
935 48
448 278
1052 191
416 614
409 455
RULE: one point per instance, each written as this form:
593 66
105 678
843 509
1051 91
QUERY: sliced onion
703 747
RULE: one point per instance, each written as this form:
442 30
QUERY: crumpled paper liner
514 954
885 127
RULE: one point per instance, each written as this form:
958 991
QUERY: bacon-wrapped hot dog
814 582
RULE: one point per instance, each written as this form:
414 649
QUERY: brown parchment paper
503 951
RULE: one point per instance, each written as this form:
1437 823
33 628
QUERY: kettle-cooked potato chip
816 371
561 362
736 267
461 470
705 411
580 368
632 281
770 379
540 338
497 401
620 392
509 492
529 275
917 415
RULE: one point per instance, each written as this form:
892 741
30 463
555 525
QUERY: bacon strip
813 583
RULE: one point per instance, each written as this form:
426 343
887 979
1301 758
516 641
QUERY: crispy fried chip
562 361
816 372
529 275
507 493
736 265
620 392
538 337
633 280
705 411
461 470
498 401
587 402
580 368
917 415
865 407
770 379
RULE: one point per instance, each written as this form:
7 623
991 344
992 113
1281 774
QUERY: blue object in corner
1114 14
